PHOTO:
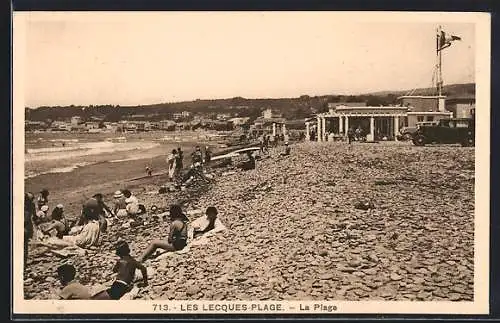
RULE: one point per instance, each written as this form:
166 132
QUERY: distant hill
291 108
452 90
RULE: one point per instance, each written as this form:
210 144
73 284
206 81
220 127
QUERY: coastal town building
462 106
34 125
180 115
91 125
166 125
269 123
76 120
223 116
239 121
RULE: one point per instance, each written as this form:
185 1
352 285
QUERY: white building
76 120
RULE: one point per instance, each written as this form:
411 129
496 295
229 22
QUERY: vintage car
406 133
447 131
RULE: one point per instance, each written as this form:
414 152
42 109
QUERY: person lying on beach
72 289
204 224
177 237
58 223
120 207
125 267
43 199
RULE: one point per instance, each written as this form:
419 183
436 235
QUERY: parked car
447 131
406 133
426 123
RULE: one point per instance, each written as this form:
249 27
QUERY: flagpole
439 58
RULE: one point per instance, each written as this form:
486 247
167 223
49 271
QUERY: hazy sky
144 58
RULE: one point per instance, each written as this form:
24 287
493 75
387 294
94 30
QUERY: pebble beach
332 221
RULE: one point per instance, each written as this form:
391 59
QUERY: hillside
291 108
452 90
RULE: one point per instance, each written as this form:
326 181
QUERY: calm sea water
47 153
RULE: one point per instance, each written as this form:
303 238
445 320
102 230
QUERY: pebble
395 277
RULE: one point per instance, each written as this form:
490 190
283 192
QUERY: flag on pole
446 40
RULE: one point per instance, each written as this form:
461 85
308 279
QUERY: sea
47 153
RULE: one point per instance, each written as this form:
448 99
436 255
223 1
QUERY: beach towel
201 224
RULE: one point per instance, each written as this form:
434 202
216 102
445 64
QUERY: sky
145 58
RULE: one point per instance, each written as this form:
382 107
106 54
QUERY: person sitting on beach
43 199
95 205
58 223
177 237
287 150
120 208
197 157
204 224
72 289
90 233
41 215
125 267
249 164
131 203
104 210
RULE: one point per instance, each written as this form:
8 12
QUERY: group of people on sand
179 233
267 141
198 160
87 230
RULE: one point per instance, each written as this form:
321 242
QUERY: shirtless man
125 267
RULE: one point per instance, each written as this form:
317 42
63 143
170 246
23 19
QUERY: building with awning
373 121
269 122
376 122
